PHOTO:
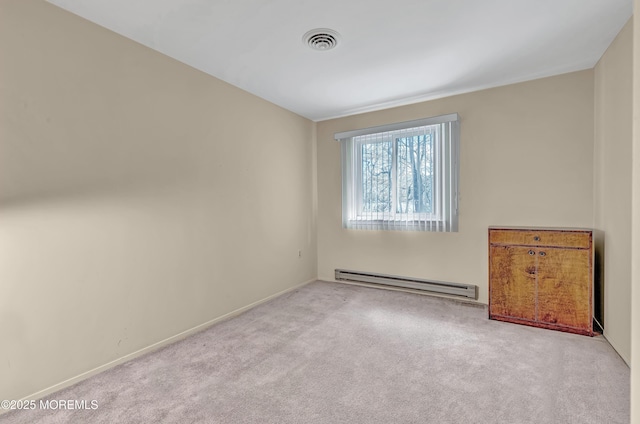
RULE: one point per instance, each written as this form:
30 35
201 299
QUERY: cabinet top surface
582 230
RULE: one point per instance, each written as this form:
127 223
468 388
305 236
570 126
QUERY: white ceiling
391 53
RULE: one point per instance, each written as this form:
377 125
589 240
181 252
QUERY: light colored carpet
334 353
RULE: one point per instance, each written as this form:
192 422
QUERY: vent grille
321 39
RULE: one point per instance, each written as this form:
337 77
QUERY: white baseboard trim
73 380
605 335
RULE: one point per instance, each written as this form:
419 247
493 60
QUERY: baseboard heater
453 289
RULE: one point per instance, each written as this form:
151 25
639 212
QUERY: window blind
402 176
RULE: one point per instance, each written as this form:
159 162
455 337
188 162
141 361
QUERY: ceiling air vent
322 39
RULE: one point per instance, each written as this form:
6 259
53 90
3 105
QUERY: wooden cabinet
542 277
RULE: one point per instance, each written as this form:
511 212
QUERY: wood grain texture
564 287
575 239
512 282
539 324
540 285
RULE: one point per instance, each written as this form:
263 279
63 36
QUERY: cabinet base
583 331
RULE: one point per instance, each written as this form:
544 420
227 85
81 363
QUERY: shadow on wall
41 159
598 273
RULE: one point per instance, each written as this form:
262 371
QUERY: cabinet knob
536 238
531 252
543 254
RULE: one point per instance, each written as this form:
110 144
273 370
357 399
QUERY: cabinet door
512 279
564 295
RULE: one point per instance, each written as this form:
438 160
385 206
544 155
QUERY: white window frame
444 215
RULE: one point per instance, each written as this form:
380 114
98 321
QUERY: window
401 176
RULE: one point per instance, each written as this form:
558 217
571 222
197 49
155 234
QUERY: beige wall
635 225
612 184
526 159
139 198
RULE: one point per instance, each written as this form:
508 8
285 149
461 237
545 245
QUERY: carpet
337 353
